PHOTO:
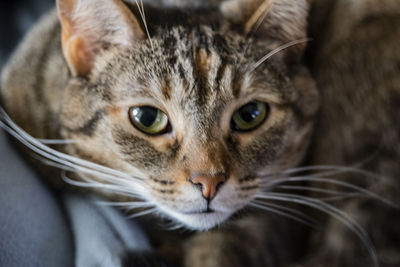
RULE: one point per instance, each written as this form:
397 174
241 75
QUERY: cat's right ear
89 26
281 20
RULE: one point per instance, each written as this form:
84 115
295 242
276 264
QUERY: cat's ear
89 26
285 20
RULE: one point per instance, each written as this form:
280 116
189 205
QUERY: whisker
283 208
277 50
281 213
333 170
92 184
143 16
337 198
312 189
129 204
134 189
332 211
254 23
142 213
125 188
336 182
340 195
112 180
76 168
47 152
56 141
175 226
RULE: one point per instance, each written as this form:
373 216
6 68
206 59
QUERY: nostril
209 185
200 186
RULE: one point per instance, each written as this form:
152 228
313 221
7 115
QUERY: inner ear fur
89 26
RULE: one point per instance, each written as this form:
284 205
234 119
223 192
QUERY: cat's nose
208 184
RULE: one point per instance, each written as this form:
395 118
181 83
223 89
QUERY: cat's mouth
206 211
198 220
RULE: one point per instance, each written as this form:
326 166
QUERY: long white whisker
265 10
336 182
337 198
332 170
66 166
129 204
277 50
48 152
143 15
283 208
26 138
111 179
134 189
142 213
93 184
175 226
312 189
281 213
56 141
340 195
332 211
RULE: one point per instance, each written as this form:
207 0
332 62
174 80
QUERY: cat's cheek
234 195
294 151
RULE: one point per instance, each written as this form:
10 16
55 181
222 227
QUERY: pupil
147 116
249 112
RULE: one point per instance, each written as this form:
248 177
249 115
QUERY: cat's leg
257 241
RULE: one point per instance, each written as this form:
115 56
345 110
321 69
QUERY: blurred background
16 17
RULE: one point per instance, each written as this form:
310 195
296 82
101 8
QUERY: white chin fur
199 222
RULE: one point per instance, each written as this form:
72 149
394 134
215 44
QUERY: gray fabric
102 235
33 231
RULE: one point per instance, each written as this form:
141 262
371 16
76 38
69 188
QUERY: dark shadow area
16 17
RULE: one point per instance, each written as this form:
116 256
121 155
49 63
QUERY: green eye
149 120
250 116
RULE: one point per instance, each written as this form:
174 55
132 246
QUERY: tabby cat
197 110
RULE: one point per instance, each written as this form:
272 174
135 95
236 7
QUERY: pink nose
209 184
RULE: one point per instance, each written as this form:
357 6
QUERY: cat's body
197 69
356 66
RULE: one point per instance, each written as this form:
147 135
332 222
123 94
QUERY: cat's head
199 103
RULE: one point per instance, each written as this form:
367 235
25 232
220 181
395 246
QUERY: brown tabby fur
355 62
194 69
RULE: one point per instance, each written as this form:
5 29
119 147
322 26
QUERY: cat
196 110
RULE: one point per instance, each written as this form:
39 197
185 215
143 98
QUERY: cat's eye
149 120
249 116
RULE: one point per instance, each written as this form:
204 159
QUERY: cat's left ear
282 20
89 26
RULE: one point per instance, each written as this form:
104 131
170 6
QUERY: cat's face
193 115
